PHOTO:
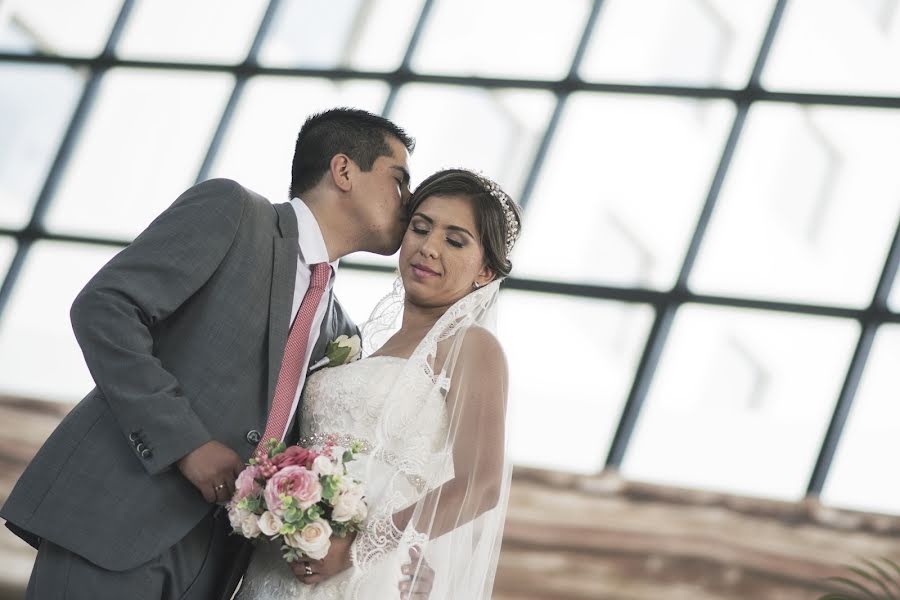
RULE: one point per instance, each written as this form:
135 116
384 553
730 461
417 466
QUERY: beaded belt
344 440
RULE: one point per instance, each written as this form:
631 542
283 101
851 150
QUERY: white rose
236 516
269 524
352 343
323 466
362 511
346 505
250 526
314 540
343 350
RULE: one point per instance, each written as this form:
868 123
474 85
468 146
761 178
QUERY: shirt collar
309 236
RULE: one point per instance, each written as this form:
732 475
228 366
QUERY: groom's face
381 196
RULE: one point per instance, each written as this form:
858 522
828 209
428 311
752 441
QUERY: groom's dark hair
359 134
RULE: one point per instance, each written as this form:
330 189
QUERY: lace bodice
347 400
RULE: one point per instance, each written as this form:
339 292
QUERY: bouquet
300 496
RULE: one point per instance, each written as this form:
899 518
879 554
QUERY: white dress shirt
312 250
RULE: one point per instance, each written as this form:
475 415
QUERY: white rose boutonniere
343 350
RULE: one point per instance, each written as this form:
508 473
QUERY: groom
198 336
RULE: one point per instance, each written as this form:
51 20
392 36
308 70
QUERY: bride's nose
429 247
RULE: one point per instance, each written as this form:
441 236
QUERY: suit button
140 448
253 437
133 436
146 454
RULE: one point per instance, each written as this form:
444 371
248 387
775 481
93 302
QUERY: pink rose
246 485
296 456
297 482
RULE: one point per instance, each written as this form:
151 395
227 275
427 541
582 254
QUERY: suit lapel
281 297
326 332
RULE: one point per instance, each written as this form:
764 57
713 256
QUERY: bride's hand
424 577
337 560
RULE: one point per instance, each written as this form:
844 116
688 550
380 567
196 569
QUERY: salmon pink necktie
295 356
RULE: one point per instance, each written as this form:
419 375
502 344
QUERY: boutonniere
340 351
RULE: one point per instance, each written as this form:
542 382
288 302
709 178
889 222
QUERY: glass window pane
565 404
35 330
621 188
808 208
258 147
361 34
494 131
7 250
693 42
850 46
35 108
529 39
862 474
741 401
141 147
57 26
198 31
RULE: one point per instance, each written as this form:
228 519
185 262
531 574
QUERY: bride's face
441 254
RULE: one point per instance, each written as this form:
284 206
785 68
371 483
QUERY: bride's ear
485 276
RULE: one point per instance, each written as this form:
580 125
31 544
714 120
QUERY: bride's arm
476 403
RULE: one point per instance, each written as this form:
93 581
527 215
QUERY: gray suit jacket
184 333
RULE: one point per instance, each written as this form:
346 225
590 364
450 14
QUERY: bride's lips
422 271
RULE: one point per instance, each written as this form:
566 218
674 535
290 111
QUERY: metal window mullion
870 320
35 228
242 74
404 71
562 97
665 312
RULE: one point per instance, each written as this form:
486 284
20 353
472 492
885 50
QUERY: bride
428 406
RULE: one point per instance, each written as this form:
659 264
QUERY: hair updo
497 217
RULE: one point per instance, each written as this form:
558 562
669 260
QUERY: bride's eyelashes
419 230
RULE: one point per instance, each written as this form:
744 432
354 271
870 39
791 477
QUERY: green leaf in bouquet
253 504
348 456
290 554
330 485
313 512
292 513
276 448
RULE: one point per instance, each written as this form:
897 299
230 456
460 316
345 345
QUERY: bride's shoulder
481 345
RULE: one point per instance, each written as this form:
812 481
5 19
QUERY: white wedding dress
347 401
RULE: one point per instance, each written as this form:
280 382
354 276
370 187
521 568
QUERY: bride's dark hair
499 221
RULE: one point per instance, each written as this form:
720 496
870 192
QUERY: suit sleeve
113 317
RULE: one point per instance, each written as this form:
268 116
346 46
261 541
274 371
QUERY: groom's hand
212 468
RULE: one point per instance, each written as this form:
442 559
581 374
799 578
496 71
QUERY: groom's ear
339 169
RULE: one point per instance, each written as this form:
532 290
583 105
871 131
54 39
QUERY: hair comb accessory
512 223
